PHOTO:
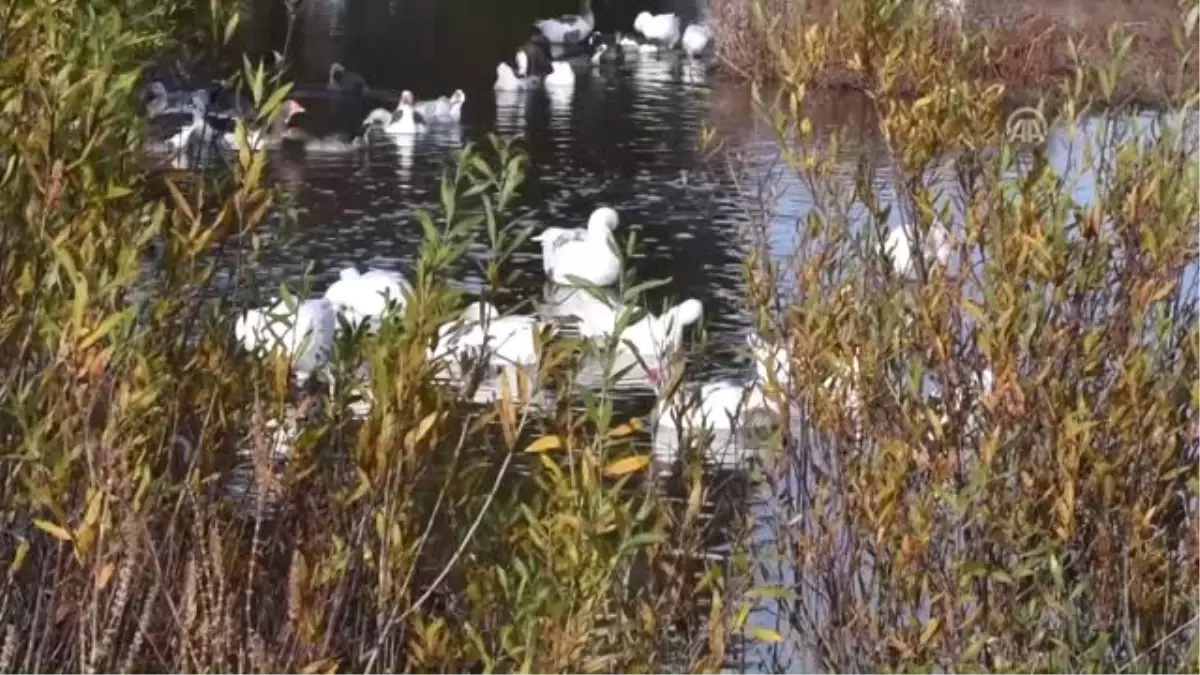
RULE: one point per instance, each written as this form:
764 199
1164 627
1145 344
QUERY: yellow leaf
52 530
544 444
413 437
765 634
628 465
103 576
631 427
19 557
929 631
320 666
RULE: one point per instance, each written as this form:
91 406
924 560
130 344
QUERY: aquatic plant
1016 488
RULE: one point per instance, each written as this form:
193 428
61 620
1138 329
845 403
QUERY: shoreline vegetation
997 469
1030 48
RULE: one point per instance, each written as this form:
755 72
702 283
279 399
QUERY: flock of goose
576 262
550 58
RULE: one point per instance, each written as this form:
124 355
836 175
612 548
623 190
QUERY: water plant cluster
1013 483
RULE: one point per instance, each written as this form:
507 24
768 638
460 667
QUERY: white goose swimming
662 29
571 28
507 79
589 254
561 75
365 297
403 121
898 247
305 335
442 108
721 405
656 339
695 39
508 340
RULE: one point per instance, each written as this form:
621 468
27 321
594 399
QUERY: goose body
306 335
507 79
695 39
722 405
510 340
159 101
654 338
585 253
562 75
898 247
659 28
366 297
570 28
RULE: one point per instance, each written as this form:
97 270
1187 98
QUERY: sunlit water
626 136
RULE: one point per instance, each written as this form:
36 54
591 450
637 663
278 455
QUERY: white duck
659 28
589 254
508 340
403 121
898 247
570 28
695 39
656 339
365 297
306 335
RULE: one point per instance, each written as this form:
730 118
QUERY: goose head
522 61
336 73
406 100
603 221
459 97
156 92
643 20
684 314
479 312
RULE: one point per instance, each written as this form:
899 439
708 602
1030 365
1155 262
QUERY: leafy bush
1012 485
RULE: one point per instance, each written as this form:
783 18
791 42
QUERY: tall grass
434 535
1042 521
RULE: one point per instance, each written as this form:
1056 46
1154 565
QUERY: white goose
508 340
306 335
442 108
656 339
589 254
403 121
659 28
722 405
695 39
561 75
365 297
507 79
569 29
898 247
